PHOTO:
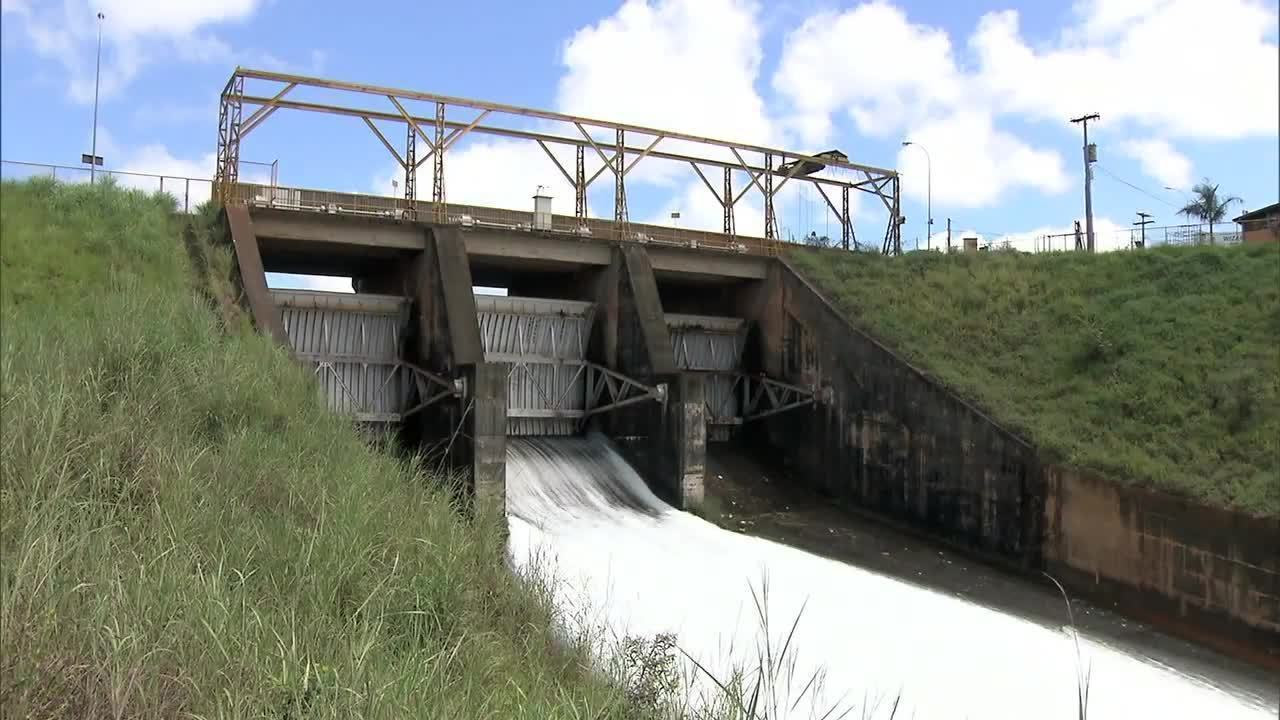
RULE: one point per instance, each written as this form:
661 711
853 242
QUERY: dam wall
848 416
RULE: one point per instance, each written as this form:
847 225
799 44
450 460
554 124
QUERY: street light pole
928 163
97 75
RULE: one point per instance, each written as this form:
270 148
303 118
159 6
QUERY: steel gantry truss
767 169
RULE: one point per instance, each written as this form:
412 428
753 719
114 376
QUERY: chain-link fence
1224 233
188 193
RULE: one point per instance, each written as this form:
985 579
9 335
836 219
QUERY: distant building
1261 225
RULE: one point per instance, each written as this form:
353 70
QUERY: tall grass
1159 367
186 532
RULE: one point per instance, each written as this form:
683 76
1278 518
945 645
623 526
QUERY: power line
1119 179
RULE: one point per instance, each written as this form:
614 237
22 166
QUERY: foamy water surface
625 559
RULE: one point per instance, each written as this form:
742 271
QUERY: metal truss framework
765 171
605 390
760 397
366 407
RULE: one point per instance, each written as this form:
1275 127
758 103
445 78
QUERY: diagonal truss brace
431 388
610 390
761 397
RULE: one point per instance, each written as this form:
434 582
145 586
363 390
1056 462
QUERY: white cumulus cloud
870 63
134 32
1160 160
974 163
1159 66
1163 65
687 65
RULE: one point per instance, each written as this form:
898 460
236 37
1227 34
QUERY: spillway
624 560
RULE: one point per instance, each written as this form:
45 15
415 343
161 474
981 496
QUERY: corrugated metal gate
543 343
354 341
712 345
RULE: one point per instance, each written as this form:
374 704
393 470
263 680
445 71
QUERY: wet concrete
752 496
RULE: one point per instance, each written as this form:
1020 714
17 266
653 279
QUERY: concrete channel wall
896 443
1212 572
891 440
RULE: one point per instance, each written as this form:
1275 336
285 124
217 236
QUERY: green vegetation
186 532
1208 206
1159 367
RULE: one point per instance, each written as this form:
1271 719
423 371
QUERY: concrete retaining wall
893 441
898 444
1213 573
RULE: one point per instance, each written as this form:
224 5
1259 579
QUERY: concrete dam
631 366
585 402
650 346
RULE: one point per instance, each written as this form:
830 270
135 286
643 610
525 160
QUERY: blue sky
1186 90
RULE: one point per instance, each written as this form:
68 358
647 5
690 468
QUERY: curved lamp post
928 235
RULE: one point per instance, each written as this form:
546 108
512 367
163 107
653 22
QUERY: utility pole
948 236
1090 157
1144 219
97 75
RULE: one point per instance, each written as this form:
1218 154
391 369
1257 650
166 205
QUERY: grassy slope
186 531
1159 367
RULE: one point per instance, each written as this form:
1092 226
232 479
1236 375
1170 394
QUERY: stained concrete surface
755 497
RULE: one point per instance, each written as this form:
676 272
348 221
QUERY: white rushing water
627 560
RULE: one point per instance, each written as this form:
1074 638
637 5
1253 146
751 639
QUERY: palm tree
1208 205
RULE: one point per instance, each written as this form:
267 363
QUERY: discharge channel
626 562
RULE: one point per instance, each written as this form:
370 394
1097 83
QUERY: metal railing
325 201
188 192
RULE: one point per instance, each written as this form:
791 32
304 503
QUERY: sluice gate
542 344
712 347
354 342
552 388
